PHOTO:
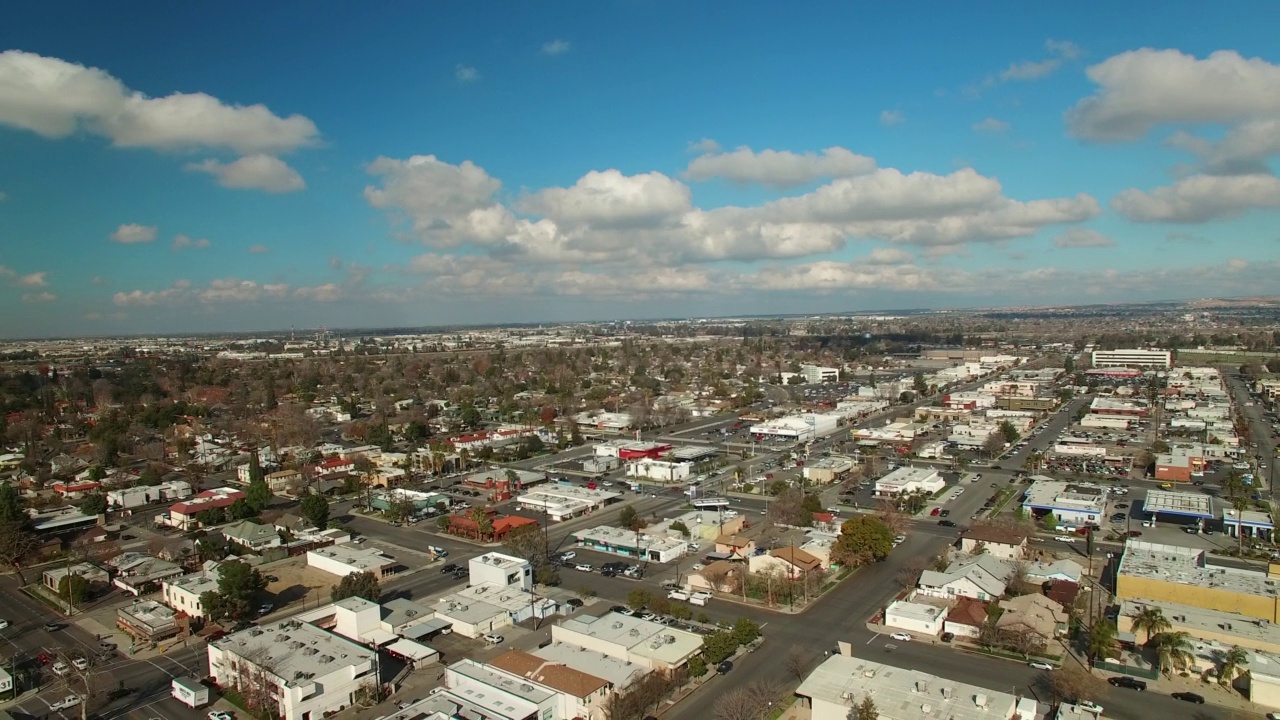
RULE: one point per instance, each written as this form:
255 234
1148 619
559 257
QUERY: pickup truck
677 595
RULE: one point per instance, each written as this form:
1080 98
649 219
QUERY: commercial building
486 608
814 374
561 502
827 470
90 572
1070 503
183 593
501 570
647 644
807 426
126 498
841 682
915 617
1119 408
1157 573
908 480
661 470
489 693
1133 358
139 573
631 449
342 560
581 694
632 544
703 525
148 622
305 672
1252 523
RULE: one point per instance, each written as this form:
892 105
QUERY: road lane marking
872 638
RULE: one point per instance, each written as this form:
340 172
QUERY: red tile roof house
183 515
335 465
75 489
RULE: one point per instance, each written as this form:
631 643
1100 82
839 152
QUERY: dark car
1189 697
948 636
947 523
726 665
945 513
573 603
1124 681
620 608
445 570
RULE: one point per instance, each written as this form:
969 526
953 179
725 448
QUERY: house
719 576
966 618
335 465
52 577
979 576
284 481
139 574
73 490
184 515
1054 572
917 617
735 546
290 523
1034 613
500 525
183 593
308 673
252 535
580 694
791 562
1001 542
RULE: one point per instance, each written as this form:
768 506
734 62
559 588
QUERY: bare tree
747 702
1073 683
796 662
891 516
909 574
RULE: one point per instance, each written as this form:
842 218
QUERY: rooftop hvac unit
926 708
946 692
669 639
980 700
617 626
922 686
309 651
324 659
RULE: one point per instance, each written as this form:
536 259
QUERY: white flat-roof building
312 672
481 609
648 644
907 480
500 570
814 374
798 427
628 543
915 617
841 682
132 497
342 560
1070 503
489 693
183 593
1135 358
661 470
562 502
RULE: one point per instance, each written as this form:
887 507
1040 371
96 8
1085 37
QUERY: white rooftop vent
922 686
946 692
980 700
926 708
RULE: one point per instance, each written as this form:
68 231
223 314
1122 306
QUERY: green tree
315 509
1232 660
1159 447
865 710
920 385
257 496
681 528
1050 522
93 504
639 599
1176 651
1152 621
862 539
470 416
1009 432
238 583
1101 639
361 584
11 505
697 666
745 630
73 587
627 517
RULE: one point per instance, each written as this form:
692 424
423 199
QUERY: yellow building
1182 575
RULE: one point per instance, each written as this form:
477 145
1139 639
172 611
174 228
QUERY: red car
44 658
936 511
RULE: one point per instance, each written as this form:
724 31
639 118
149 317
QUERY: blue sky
168 168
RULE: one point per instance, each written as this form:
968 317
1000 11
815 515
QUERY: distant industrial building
1133 358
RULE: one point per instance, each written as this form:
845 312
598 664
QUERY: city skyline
229 170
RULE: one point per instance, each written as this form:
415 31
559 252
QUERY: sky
209 167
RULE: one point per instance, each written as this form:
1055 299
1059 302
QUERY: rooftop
903 693
907 475
556 676
991 534
1178 503
500 681
1188 566
642 637
498 560
620 537
1256 518
150 613
296 651
357 558
914 611
1194 619
1055 494
831 463
620 673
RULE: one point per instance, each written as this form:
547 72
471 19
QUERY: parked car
724 667
448 569
60 669
71 701
568 555
219 715
573 603
494 639
1189 697
80 663
1089 706
583 567
1040 665
901 636
1124 681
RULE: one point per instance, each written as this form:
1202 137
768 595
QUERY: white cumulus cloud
181 242
992 126
259 249
1199 198
133 233
33 280
466 74
889 118
1140 89
253 172
778 168
55 98
1082 238
40 297
610 199
448 205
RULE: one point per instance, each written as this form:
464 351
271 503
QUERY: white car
569 555
80 663
904 637
898 540
69 701
494 639
60 669
1040 665
1065 539
583 567
219 715
4 624
1090 706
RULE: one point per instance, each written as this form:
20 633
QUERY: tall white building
814 374
501 570
1135 358
304 671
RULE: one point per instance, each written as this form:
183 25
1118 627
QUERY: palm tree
1151 620
1231 662
1102 638
1175 650
1240 503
